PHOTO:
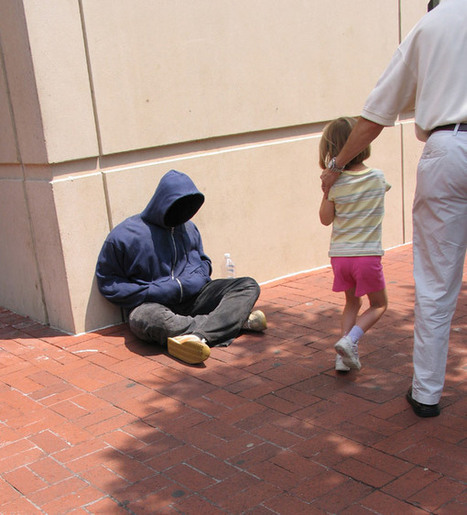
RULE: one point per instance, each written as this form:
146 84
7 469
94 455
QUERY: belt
451 127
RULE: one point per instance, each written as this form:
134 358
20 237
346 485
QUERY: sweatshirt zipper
172 230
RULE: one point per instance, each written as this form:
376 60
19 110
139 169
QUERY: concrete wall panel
83 226
62 79
8 151
192 70
19 74
49 254
20 288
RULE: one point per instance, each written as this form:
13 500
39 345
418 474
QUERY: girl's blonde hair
335 134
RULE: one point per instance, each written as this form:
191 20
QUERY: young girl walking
355 208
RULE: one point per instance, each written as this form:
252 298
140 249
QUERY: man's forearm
361 136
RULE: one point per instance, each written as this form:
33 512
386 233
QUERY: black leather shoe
422 410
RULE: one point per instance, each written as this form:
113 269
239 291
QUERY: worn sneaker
349 352
188 348
340 366
256 322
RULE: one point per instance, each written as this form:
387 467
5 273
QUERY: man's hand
328 178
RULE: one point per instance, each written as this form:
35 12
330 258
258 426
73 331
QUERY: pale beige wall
99 99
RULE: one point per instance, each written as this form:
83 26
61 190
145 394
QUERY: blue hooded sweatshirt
157 255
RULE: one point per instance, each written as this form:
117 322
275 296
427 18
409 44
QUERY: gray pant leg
155 323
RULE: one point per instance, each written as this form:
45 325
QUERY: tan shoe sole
188 348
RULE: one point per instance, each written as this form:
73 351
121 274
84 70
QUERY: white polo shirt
428 72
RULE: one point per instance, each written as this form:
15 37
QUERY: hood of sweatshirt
175 201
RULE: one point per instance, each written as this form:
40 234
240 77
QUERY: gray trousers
216 314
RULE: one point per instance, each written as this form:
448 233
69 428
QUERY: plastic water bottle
229 266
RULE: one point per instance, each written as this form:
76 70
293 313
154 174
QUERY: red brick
49 470
190 478
325 481
287 374
158 502
127 467
170 458
453 468
381 503
364 473
60 489
208 407
452 508
410 483
21 383
286 503
275 475
343 496
142 431
255 454
73 500
381 461
221 491
88 461
124 388
7 450
123 441
297 464
80 450
328 448
143 453
19 459
194 505
90 401
24 480
51 395
142 489
7 493
106 506
241 501
437 494
104 479
69 409
111 424
49 442
98 416
276 435
227 399
71 433
20 506
211 466
277 404
299 398
225 450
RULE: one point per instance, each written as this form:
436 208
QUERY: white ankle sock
355 333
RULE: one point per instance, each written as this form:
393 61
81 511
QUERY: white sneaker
256 321
349 352
340 367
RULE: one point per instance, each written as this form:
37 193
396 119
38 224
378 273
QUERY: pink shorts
364 273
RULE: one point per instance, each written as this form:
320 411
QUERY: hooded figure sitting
153 265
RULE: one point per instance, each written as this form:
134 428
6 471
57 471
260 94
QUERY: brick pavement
102 423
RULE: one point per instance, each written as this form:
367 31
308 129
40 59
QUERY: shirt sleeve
394 93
